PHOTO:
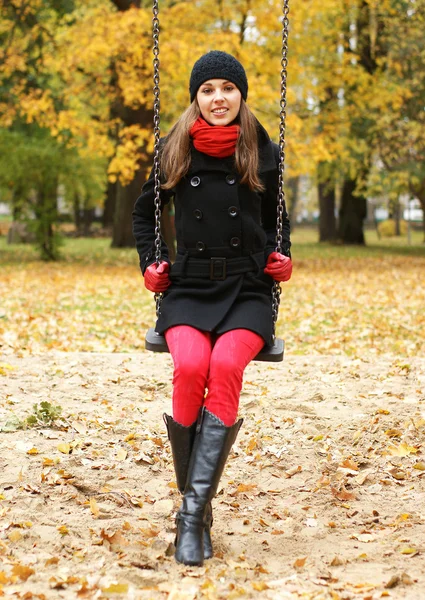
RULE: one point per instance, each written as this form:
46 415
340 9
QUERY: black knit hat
218 65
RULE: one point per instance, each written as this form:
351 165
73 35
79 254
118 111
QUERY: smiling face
219 101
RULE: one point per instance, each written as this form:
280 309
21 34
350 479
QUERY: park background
331 457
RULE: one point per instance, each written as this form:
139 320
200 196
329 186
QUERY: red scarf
215 140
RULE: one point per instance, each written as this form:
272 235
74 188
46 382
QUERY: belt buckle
217 268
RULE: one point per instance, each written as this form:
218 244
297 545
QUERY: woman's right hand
156 277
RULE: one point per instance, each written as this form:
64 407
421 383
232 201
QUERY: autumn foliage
82 71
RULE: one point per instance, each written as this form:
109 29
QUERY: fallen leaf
121 454
94 507
63 529
22 572
244 487
343 494
402 449
15 535
409 551
420 466
259 586
300 562
116 588
64 448
293 471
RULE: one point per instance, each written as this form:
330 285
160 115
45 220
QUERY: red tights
199 363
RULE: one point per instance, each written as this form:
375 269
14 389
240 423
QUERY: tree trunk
110 203
352 213
421 198
293 185
394 214
45 210
122 235
326 192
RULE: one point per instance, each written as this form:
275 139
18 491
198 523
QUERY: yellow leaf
252 444
121 454
317 438
393 433
4 367
22 572
64 448
94 507
116 588
3 578
408 551
63 529
402 449
259 586
32 451
356 437
15 535
420 466
130 436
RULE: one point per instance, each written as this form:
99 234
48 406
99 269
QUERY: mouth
220 111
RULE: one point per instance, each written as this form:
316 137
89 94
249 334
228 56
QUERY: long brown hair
175 158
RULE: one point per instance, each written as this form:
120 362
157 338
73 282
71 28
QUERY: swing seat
157 343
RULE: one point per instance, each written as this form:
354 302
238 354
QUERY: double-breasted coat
217 216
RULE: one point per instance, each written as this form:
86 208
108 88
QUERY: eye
229 88
206 90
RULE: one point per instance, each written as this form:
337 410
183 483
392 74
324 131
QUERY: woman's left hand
279 267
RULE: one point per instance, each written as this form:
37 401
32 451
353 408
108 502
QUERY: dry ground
323 496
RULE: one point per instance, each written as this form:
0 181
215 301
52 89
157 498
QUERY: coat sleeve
144 223
269 211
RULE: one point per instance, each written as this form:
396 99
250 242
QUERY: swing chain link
156 129
281 191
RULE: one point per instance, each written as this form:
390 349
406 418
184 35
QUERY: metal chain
281 193
156 129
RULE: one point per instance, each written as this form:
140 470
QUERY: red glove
156 277
279 267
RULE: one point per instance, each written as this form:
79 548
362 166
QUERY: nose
218 95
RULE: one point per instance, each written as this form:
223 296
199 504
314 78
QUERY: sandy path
323 496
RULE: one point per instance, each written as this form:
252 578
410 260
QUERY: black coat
216 216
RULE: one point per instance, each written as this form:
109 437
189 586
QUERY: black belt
217 268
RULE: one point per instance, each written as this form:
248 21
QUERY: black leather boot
211 448
181 441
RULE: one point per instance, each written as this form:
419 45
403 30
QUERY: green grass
74 250
304 246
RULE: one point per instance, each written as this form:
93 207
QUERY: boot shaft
211 448
181 441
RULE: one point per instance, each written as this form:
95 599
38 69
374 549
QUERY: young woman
221 168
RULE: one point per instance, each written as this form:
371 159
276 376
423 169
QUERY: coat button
235 242
230 179
233 211
198 214
195 181
200 246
